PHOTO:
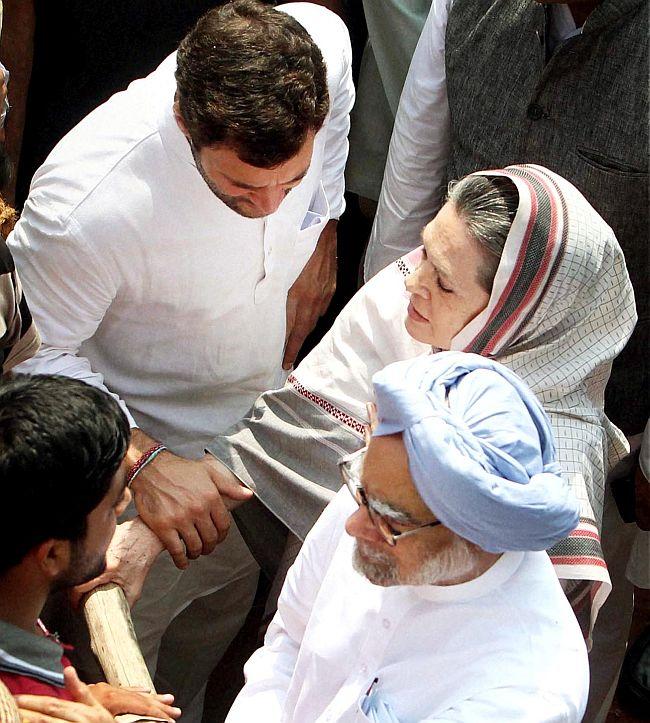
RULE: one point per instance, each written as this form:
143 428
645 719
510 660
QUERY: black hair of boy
61 444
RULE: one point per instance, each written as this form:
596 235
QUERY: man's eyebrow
251 187
393 512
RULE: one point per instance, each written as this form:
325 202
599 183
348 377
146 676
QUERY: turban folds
480 450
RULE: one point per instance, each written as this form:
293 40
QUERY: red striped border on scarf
534 267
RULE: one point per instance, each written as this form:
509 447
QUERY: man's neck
21 600
483 561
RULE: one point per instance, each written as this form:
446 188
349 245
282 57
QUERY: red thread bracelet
143 461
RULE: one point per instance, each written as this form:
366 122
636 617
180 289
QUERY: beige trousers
186 619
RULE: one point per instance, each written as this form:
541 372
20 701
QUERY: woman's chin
424 334
418 331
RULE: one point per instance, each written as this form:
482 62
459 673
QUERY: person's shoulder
98 149
536 591
326 29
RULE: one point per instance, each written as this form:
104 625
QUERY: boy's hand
83 709
138 702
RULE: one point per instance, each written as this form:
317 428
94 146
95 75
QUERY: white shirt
420 145
143 282
503 647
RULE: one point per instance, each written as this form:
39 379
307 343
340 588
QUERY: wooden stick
112 639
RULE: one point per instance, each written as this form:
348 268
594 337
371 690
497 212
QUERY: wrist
328 234
140 446
143 460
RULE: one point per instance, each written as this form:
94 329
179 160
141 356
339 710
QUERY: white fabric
503 647
420 145
418 152
143 282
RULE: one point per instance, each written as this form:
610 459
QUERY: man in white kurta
491 637
143 282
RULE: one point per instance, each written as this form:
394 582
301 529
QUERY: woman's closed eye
442 286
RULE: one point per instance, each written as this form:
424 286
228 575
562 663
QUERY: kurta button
535 112
364 669
386 623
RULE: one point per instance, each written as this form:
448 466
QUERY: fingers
373 421
299 333
176 548
192 540
121 701
221 519
77 593
228 484
27 715
45 709
208 533
78 690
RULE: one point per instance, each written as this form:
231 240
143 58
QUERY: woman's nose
415 284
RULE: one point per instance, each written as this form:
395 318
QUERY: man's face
248 190
433 555
88 556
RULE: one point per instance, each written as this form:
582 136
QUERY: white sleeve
338 126
68 289
270 669
331 35
418 152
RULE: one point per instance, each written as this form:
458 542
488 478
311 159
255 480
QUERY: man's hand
130 700
83 709
311 293
184 502
132 552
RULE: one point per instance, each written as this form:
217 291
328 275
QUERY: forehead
224 160
386 477
448 241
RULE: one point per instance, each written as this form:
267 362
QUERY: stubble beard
238 205
83 568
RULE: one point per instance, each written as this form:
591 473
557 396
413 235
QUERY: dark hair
6 168
487 205
251 77
61 443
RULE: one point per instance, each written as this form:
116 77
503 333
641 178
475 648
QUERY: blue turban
480 450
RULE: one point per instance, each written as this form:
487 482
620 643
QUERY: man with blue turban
440 603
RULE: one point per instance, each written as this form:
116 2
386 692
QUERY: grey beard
455 562
376 566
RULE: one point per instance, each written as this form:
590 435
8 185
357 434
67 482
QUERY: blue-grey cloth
480 450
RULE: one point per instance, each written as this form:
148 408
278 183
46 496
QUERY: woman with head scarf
517 266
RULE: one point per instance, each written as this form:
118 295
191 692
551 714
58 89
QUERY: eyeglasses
350 467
